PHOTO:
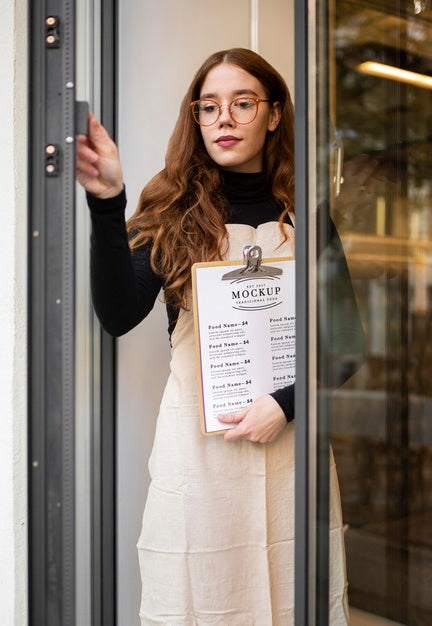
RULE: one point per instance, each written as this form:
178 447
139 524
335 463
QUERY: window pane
379 401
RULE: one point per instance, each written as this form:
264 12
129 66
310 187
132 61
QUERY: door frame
52 300
311 435
51 313
52 338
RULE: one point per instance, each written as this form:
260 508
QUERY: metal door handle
81 117
338 152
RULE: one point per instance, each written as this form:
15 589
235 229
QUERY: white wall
13 312
161 46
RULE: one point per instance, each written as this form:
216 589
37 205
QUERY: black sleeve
341 338
285 398
124 287
340 332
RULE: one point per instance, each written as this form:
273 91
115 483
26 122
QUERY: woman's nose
225 116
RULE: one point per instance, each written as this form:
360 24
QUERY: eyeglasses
242 110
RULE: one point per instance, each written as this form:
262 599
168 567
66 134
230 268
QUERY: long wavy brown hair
181 211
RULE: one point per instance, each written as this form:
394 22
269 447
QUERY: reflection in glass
381 419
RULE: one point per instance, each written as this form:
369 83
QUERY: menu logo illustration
256 295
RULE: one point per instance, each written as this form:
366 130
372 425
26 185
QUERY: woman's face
237 147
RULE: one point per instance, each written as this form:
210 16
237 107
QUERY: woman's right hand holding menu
98 166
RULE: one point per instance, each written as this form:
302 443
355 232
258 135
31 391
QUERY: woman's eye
208 108
244 103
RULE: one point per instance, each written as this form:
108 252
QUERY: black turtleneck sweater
124 287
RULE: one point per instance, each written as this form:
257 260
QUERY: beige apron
217 542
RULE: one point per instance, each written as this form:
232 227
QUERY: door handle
81 117
337 149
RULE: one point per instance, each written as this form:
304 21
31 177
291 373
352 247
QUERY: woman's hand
98 166
262 421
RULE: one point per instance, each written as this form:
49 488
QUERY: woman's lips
226 141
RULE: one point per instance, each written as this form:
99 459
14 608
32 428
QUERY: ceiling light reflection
395 73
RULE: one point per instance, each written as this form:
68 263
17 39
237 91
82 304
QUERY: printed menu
245 336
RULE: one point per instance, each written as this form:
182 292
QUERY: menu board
245 335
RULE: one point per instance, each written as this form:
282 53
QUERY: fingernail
222 417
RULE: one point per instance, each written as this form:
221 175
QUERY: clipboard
244 322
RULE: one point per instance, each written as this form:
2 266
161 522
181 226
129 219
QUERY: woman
217 543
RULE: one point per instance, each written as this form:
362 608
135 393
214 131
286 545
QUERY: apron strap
292 217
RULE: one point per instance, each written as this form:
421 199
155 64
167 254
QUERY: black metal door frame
51 320
104 591
52 528
312 434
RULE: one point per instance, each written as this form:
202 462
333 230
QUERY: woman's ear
275 115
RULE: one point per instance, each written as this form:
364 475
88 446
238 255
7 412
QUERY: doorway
160 47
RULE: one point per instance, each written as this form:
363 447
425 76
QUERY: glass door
372 133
